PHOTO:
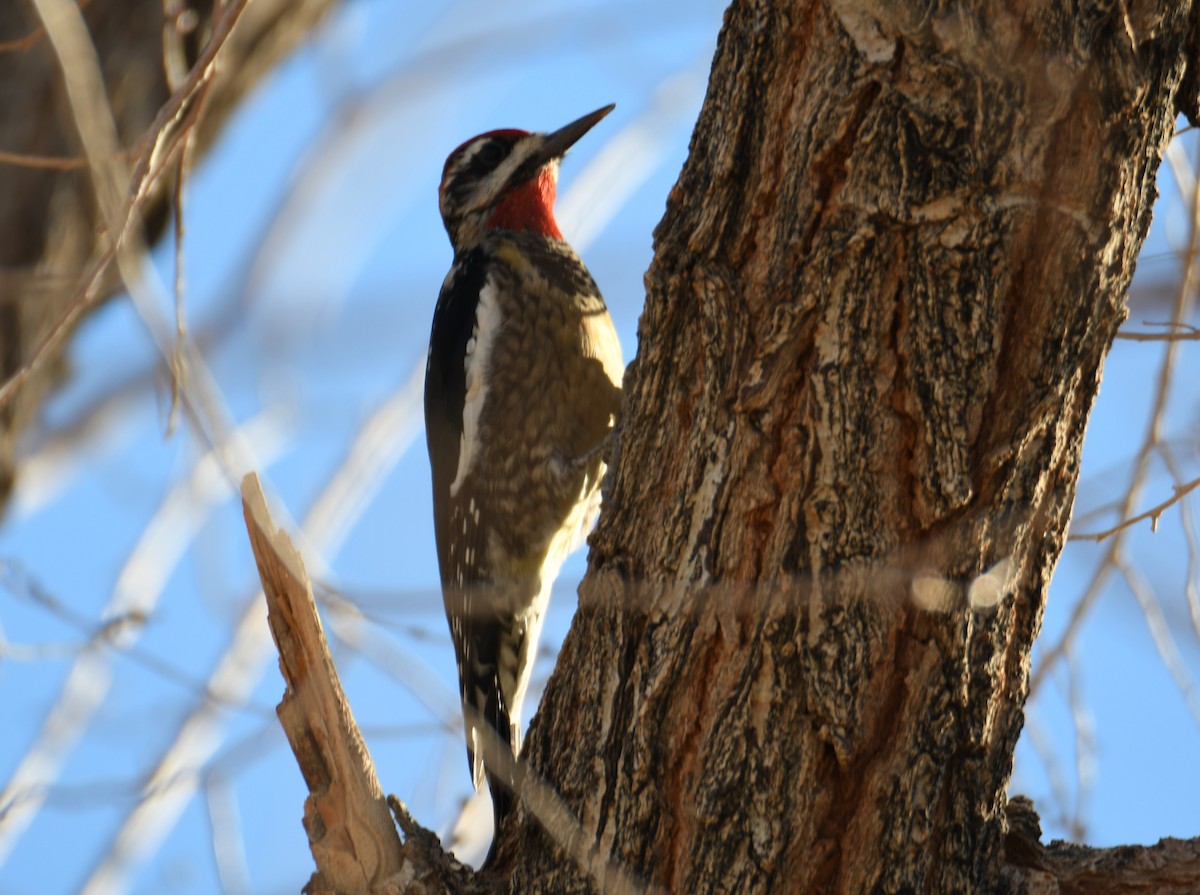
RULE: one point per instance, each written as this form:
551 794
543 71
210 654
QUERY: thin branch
1085 747
21 44
1184 332
139 586
228 841
1187 523
158 150
1153 514
182 166
56 162
1047 752
1160 632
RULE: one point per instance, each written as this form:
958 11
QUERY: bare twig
1153 514
182 166
1160 632
1187 523
55 163
1085 750
21 44
1048 753
157 153
1181 332
228 842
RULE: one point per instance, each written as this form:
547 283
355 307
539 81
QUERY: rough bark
49 221
1171 867
881 299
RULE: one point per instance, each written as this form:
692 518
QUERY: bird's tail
496 669
484 705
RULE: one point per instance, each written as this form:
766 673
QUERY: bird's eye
492 153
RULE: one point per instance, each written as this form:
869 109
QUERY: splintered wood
350 829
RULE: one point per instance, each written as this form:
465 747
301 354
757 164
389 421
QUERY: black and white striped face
478 174
504 168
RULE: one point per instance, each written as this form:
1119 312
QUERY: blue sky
315 252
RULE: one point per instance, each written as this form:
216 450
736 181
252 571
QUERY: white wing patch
476 363
600 341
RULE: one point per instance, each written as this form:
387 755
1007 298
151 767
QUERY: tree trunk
881 299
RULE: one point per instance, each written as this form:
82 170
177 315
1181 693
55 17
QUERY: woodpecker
522 387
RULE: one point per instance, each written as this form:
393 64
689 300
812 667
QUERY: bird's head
507 180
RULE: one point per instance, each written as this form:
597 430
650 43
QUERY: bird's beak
555 145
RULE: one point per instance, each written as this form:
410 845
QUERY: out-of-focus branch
1179 332
1160 633
55 249
139 587
175 776
1153 514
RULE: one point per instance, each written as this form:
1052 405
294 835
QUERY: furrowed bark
880 303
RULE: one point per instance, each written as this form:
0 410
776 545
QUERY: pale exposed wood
350 829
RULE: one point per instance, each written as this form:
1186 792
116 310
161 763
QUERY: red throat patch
529 207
